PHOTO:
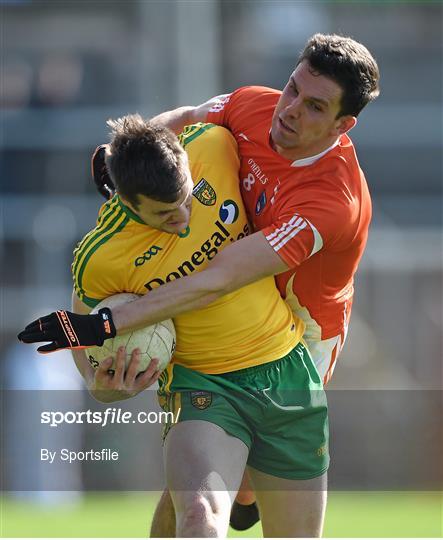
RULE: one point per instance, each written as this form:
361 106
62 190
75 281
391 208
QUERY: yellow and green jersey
248 327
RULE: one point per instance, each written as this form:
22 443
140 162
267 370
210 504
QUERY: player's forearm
241 263
176 119
170 300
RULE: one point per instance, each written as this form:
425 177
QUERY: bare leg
290 508
204 466
246 493
244 511
163 522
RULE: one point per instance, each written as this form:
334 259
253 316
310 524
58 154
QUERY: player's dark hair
145 159
349 64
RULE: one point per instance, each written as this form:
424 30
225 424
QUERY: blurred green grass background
116 515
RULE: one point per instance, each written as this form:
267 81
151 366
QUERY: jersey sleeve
305 227
233 111
224 107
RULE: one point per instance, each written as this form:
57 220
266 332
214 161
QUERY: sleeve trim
279 237
91 302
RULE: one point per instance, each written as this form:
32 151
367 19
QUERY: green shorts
278 409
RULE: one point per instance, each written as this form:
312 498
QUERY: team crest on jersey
261 203
201 400
229 212
205 193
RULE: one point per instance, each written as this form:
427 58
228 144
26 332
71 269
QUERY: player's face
172 218
305 118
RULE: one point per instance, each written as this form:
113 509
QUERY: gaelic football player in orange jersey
303 190
304 193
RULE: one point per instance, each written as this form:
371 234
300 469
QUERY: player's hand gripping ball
156 341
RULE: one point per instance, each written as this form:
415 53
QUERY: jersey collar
129 212
312 159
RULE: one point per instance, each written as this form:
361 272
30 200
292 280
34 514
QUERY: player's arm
243 262
177 119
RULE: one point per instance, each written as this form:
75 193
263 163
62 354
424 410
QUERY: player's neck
302 153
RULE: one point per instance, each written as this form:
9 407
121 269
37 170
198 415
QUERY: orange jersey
314 212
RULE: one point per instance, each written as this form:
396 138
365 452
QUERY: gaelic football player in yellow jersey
248 391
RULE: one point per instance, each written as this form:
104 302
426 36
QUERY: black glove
68 330
103 182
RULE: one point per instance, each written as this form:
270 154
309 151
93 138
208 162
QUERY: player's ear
344 124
